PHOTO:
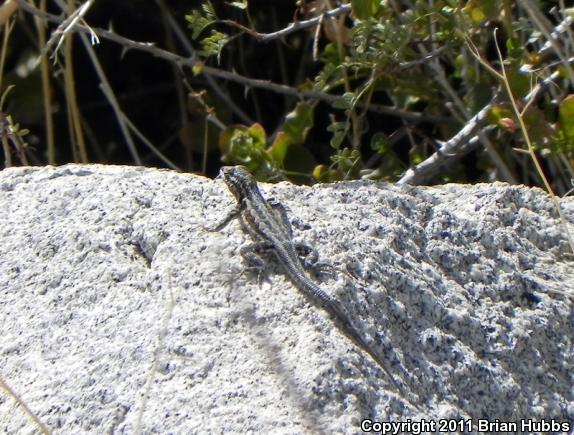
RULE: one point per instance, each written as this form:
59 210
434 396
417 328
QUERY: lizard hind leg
310 260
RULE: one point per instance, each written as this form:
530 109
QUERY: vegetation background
409 91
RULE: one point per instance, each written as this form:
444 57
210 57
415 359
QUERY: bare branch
190 62
293 27
454 148
321 96
467 138
184 41
7 10
66 26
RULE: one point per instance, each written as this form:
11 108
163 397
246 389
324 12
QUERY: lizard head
238 180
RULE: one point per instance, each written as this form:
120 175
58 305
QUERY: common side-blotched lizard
269 228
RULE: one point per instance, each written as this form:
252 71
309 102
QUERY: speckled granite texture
121 313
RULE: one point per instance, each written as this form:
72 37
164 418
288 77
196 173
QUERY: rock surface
121 313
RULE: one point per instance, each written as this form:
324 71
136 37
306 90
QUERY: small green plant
11 135
425 61
249 146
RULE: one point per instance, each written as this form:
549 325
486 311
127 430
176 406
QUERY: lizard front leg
233 214
253 256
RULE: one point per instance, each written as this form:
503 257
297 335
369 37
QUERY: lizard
267 224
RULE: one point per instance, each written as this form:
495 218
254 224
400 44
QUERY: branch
190 62
321 96
556 34
467 138
293 27
6 11
455 147
66 26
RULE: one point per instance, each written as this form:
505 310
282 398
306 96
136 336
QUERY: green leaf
22 132
298 159
258 135
416 156
520 82
337 139
365 9
324 174
337 126
209 10
278 149
197 22
212 45
539 129
321 173
290 157
331 55
244 145
566 117
298 123
347 160
380 143
481 10
346 102
197 68
514 50
339 130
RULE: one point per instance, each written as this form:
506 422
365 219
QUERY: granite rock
121 312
